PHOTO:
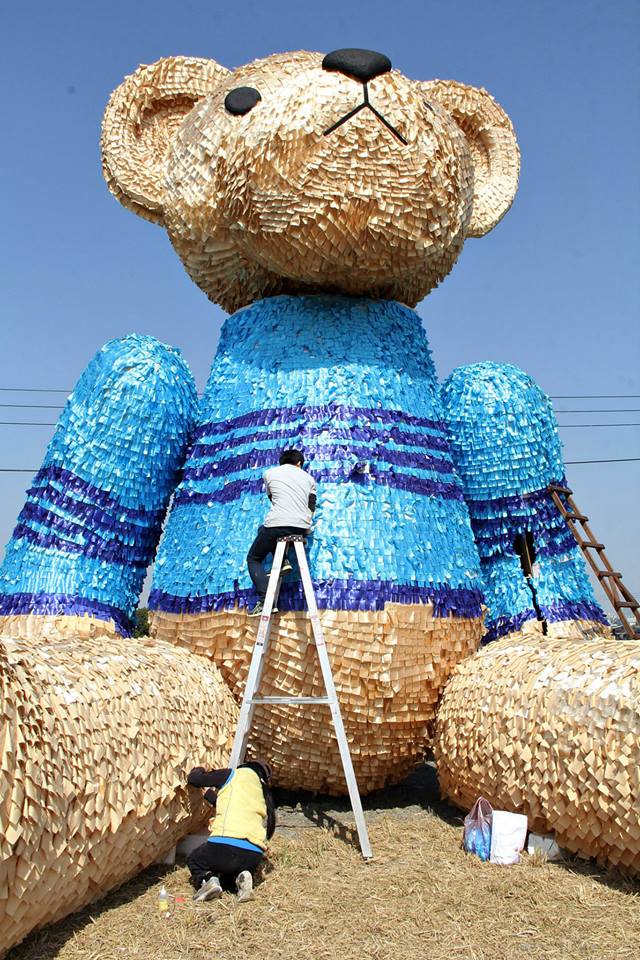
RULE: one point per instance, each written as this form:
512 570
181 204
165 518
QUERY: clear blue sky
554 289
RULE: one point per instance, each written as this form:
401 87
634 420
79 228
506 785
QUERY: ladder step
556 488
608 573
259 700
580 517
593 546
628 603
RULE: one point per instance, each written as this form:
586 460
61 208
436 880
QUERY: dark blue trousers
262 546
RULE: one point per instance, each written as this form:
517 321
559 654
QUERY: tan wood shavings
551 729
270 202
95 746
38 627
389 669
143 113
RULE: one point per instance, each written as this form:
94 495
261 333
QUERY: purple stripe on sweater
537 513
89 513
282 415
558 548
141 547
335 595
547 543
573 610
363 434
509 527
230 491
75 484
401 481
542 514
553 613
265 458
525 502
33 511
112 551
504 625
60 604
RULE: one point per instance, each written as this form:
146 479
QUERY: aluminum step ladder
251 698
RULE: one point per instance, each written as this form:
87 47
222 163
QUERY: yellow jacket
241 811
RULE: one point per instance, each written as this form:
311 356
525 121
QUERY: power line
620 460
564 426
32 390
50 423
32 406
553 396
50 406
616 410
567 462
594 396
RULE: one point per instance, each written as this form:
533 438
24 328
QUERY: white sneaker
244 886
209 890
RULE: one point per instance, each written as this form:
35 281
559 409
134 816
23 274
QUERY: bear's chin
405 272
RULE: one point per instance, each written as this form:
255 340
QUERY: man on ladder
292 493
287 486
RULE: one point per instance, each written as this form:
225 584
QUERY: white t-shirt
289 488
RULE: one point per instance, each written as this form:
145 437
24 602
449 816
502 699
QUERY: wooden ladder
622 600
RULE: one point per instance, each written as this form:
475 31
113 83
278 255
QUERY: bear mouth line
366 105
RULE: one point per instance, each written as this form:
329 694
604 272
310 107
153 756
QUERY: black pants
262 546
222 860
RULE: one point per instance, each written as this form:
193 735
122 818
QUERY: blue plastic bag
477 829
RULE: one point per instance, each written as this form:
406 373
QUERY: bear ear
493 146
141 118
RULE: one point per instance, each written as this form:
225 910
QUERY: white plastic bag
477 829
508 835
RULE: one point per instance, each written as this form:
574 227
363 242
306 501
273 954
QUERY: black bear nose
363 64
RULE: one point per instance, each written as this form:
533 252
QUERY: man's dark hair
291 456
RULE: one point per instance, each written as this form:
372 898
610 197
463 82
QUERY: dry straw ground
421 899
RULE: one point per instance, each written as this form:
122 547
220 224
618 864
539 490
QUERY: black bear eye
241 100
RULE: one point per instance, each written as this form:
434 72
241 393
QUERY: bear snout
366 105
362 64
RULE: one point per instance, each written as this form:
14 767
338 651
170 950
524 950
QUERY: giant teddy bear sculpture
320 198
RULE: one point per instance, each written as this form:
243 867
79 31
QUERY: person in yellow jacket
244 821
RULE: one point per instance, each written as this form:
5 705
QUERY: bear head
304 173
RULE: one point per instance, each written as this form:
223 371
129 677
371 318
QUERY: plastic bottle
163 902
